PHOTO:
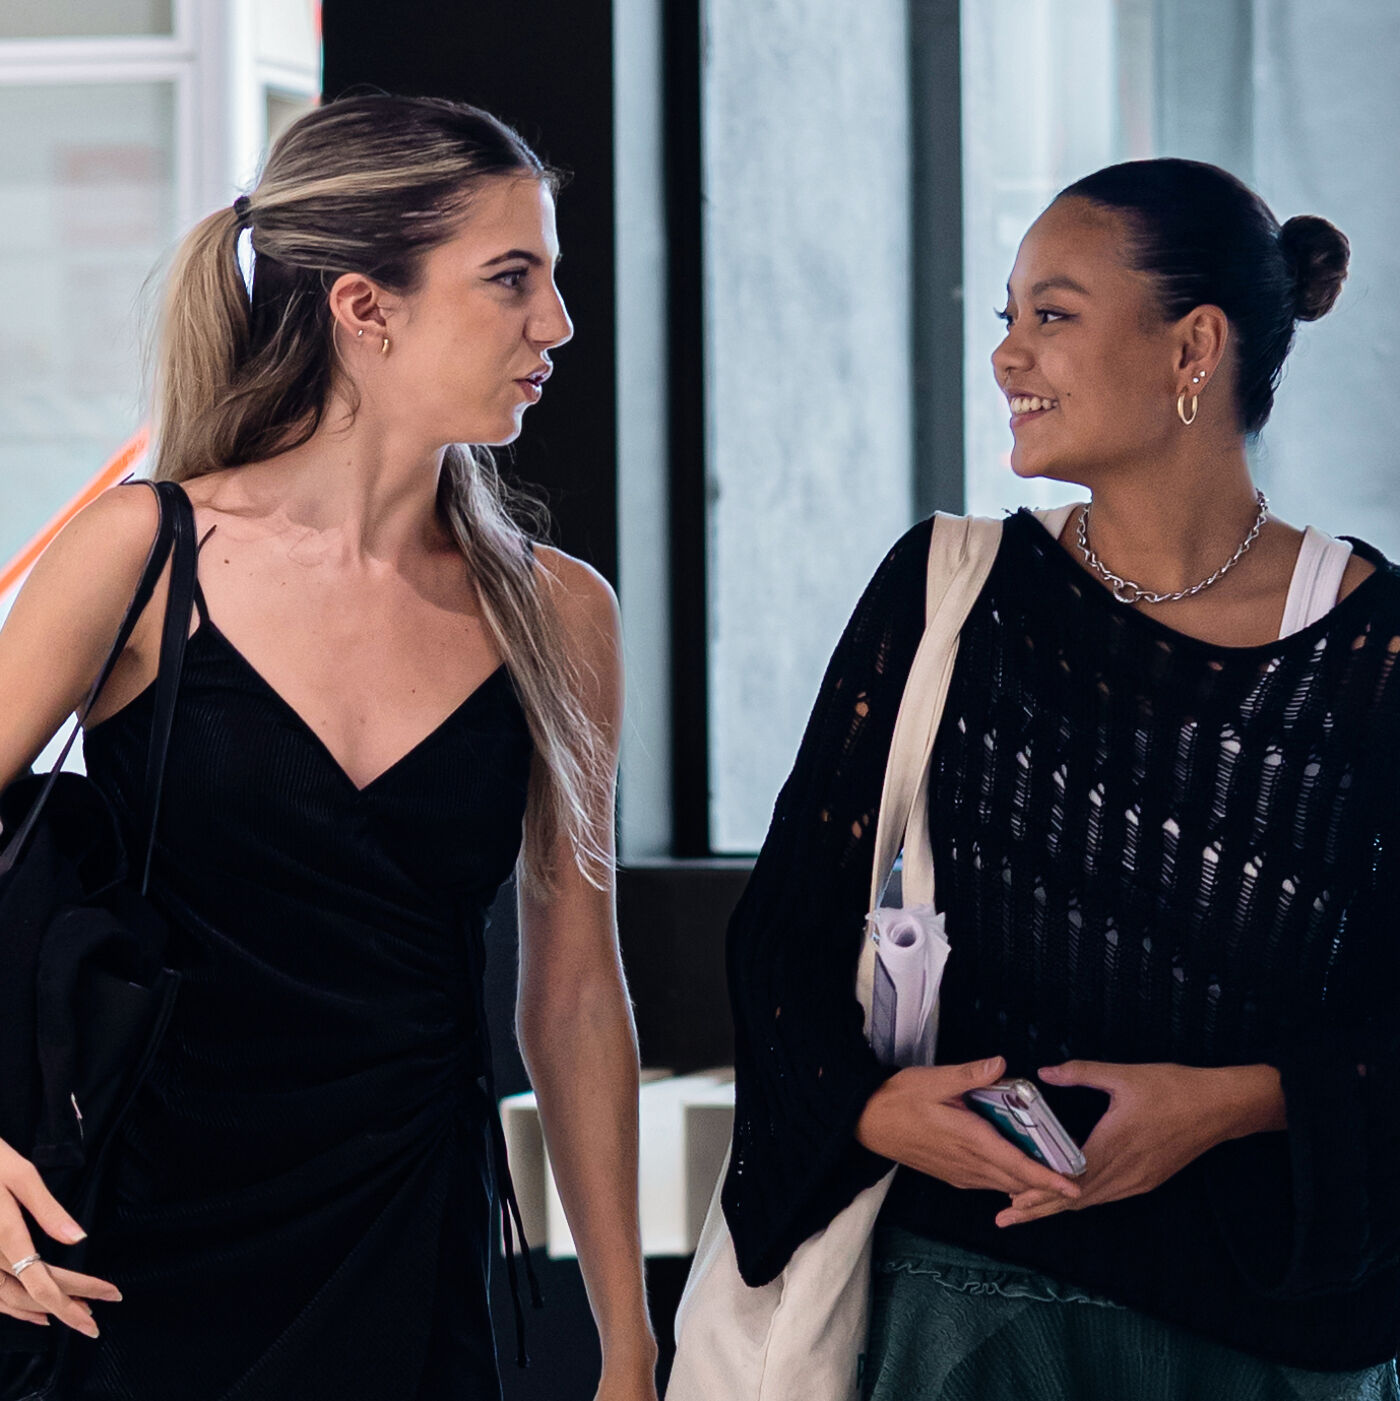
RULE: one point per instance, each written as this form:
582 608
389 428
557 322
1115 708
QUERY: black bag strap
175 533
178 607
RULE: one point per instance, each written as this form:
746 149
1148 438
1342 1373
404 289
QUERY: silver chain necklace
1125 591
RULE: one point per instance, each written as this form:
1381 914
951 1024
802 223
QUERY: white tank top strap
1317 579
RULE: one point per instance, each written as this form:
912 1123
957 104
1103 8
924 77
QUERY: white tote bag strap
961 554
799 1338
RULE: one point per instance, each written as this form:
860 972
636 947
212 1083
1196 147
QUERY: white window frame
219 81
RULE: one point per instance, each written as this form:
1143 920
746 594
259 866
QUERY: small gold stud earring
384 349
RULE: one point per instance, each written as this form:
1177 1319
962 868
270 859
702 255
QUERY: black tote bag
84 991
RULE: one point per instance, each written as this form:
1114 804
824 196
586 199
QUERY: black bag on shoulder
84 990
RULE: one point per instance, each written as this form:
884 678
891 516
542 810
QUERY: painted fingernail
72 1232
89 1326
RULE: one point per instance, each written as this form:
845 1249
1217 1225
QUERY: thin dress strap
201 607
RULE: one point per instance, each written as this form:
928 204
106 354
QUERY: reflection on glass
88 19
86 187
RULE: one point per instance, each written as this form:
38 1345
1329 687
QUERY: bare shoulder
104 546
64 619
587 608
586 602
1357 570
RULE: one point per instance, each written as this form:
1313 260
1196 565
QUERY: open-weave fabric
1148 849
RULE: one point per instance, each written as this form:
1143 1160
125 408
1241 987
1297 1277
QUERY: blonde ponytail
203 341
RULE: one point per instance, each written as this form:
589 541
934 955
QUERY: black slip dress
299 1204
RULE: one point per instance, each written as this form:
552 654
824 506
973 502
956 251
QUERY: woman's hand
41 1290
918 1118
1159 1119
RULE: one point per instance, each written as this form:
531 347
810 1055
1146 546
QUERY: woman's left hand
1159 1119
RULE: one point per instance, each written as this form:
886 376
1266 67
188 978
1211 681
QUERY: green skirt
950 1325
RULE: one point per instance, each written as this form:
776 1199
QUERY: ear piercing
383 349
1196 379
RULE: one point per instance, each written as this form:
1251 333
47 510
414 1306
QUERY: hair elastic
242 211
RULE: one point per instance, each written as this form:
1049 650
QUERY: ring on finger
19 1267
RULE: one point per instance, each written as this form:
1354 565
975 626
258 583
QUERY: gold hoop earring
1181 407
384 349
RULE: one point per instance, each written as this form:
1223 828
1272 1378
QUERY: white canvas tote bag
800 1337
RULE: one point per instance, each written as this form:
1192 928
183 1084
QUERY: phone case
1018 1111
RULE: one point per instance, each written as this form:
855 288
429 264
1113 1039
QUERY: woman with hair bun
1165 813
391 692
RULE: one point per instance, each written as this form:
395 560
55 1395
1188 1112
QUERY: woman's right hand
918 1118
41 1289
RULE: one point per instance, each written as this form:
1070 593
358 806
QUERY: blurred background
786 233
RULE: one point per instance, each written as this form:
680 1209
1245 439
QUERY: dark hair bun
1317 253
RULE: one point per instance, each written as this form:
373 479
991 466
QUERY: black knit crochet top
1148 848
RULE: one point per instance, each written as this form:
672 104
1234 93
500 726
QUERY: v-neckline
207 623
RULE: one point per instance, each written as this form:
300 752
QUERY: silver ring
19 1267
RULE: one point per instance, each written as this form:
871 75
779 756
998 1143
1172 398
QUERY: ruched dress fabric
300 1201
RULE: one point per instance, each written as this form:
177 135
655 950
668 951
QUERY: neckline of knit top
1084 585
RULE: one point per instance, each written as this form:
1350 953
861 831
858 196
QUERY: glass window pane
282 109
96 19
807 248
87 189
1051 91
1326 104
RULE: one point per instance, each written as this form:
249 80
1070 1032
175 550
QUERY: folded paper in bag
910 952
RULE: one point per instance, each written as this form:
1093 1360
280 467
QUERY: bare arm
66 618
576 1032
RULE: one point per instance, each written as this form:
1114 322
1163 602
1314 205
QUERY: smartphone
1019 1113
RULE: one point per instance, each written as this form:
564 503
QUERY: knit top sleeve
803 1069
1324 1216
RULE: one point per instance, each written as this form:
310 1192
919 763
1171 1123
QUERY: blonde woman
390 696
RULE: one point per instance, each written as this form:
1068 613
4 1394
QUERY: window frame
933 73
